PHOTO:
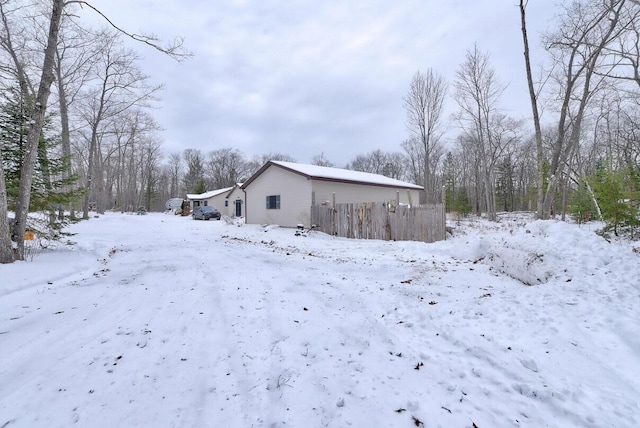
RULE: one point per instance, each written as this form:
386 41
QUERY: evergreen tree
462 203
200 187
49 182
14 116
613 190
582 207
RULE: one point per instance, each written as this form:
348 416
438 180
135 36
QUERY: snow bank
542 251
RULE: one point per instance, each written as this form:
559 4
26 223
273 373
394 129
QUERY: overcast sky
321 76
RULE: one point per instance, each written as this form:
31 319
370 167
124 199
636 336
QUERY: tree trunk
490 198
6 248
536 116
585 63
89 186
35 128
65 135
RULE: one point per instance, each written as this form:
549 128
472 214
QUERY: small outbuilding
214 198
282 193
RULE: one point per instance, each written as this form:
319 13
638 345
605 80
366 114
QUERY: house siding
232 197
295 198
216 201
359 193
213 199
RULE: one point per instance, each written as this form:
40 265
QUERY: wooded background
77 131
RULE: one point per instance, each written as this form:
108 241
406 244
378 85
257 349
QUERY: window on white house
226 202
273 202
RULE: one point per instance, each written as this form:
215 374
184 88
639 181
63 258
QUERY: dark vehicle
205 213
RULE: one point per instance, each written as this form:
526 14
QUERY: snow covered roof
232 189
208 195
316 172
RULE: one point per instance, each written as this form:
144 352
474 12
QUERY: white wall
235 194
355 193
295 198
296 194
217 202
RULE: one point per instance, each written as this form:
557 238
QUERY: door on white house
238 208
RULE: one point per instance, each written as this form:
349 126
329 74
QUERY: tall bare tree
74 62
122 156
477 93
533 96
424 105
175 172
585 30
119 86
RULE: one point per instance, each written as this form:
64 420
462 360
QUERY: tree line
77 134
74 123
581 138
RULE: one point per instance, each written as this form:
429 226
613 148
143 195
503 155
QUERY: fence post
334 216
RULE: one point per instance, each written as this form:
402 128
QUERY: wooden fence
381 221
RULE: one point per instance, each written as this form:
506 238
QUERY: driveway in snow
161 321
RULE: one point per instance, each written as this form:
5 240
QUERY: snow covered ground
161 321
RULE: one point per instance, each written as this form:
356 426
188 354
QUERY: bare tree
373 162
321 160
534 109
258 161
378 162
586 30
622 57
175 172
73 65
150 171
629 148
122 156
225 167
119 86
424 105
477 93
414 151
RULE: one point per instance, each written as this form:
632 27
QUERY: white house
282 192
214 198
234 202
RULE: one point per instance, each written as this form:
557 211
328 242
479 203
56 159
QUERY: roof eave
334 180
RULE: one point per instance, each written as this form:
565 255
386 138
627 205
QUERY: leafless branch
175 50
